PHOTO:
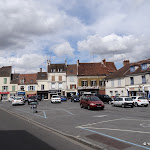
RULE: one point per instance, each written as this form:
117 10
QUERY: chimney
65 62
125 62
78 62
48 64
40 69
104 61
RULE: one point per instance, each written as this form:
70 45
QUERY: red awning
4 92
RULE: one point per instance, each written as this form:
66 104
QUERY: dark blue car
63 98
75 98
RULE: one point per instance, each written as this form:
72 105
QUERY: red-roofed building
27 84
91 75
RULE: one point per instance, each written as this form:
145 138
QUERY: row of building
61 79
68 80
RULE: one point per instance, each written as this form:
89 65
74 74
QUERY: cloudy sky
32 31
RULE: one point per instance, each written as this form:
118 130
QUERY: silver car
123 102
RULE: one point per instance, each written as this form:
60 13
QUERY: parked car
91 102
55 99
32 99
105 98
75 98
63 98
140 101
11 98
18 101
123 101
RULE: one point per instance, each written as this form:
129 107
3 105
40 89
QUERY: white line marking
68 112
116 130
99 122
145 125
100 116
44 114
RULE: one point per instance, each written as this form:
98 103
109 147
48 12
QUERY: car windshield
133 97
128 99
56 96
119 99
76 97
18 98
141 97
94 98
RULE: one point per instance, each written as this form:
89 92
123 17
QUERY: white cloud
120 47
64 49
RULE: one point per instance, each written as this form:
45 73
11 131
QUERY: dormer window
61 70
144 66
22 81
132 68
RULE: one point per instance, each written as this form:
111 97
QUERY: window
22 81
112 83
84 83
60 85
119 82
101 83
4 88
144 66
73 86
71 71
42 87
131 80
13 88
93 83
71 79
111 93
53 85
54 70
143 79
60 78
132 68
61 70
53 78
22 88
5 80
31 88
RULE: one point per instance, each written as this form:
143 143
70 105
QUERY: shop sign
4 92
21 93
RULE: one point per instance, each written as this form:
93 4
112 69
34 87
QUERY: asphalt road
16 134
114 128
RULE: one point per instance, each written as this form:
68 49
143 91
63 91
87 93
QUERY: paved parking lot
113 128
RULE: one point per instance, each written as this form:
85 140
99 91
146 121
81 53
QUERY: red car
91 102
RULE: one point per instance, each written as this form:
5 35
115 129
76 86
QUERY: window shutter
70 86
75 86
28 88
33 88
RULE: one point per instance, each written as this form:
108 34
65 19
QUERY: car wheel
102 108
145 105
123 105
88 107
136 104
113 105
81 105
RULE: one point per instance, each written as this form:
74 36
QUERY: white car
140 101
17 101
11 98
55 98
123 102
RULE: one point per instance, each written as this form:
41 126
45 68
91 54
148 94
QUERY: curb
97 147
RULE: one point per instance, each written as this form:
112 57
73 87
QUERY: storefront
4 95
13 94
54 92
43 94
30 93
93 91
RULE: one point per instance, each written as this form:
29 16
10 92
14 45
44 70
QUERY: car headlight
92 104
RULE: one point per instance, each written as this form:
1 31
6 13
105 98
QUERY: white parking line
68 112
98 123
100 116
115 130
